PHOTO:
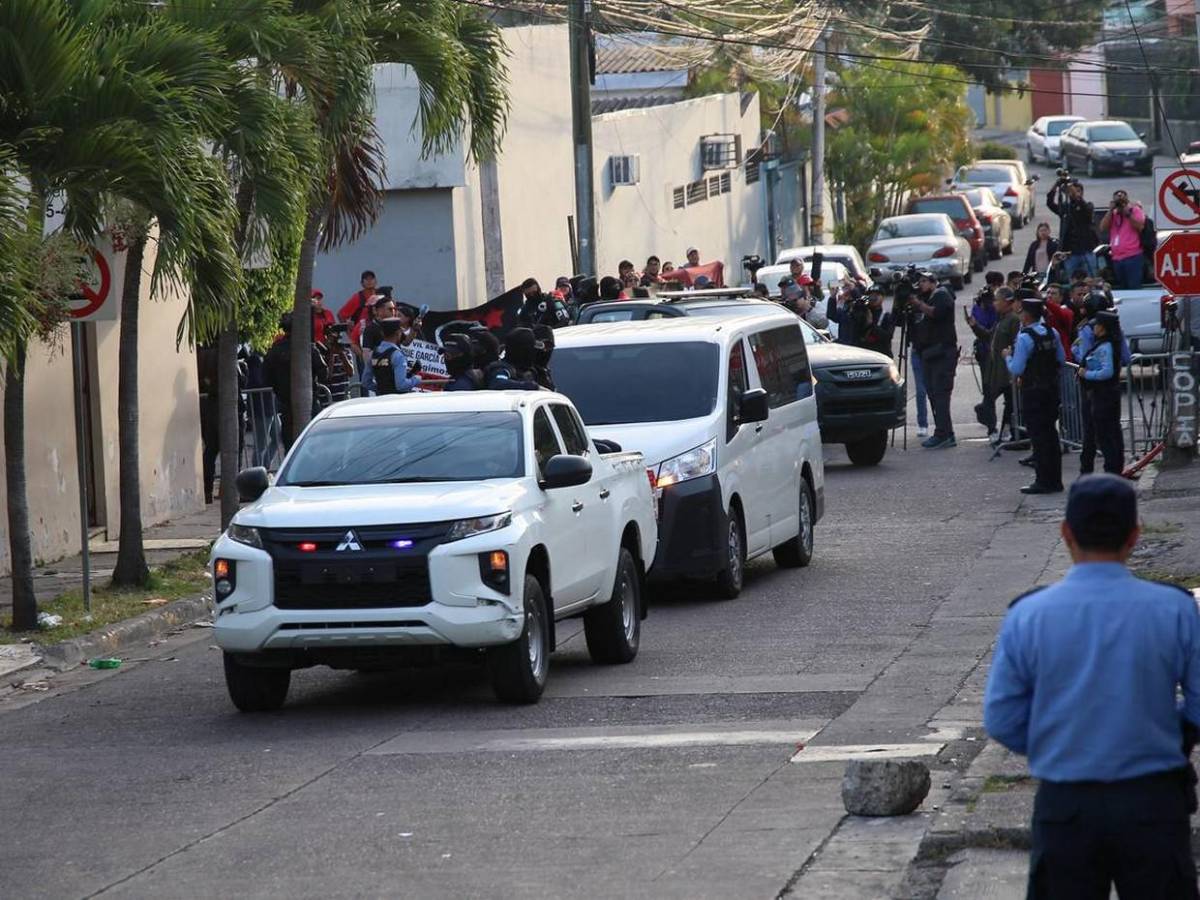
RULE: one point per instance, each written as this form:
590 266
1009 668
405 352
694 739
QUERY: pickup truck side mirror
1030 180
252 483
754 407
566 471
1142 135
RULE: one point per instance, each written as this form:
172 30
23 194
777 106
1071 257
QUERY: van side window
545 441
738 384
782 361
572 432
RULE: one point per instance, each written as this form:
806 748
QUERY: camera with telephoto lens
1063 175
904 284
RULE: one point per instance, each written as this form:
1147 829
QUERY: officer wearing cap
390 372
1034 361
1083 682
1100 375
936 340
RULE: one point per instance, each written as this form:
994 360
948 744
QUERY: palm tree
458 58
85 128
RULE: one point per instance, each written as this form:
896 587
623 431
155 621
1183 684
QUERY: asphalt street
679 775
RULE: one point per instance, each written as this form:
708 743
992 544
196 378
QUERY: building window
624 169
752 172
697 191
679 198
720 151
714 185
726 183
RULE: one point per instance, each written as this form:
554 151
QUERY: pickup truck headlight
695 463
243 534
465 528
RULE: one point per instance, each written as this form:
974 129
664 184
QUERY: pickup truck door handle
605 494
576 506
758 429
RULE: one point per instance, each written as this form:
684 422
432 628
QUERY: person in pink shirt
1123 223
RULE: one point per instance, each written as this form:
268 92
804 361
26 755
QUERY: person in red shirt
322 318
355 309
1060 317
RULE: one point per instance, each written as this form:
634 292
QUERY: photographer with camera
860 317
798 297
1123 223
937 342
1077 235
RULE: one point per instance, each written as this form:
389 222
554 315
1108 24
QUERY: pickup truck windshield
416 447
627 383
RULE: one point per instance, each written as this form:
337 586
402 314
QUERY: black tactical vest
1041 370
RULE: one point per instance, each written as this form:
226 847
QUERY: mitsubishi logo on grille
350 542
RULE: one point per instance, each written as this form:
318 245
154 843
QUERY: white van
724 413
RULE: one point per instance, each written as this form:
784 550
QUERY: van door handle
576 506
605 494
758 429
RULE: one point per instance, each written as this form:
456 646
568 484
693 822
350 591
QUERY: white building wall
1084 85
636 221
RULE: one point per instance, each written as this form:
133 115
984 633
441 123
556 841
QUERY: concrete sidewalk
979 842
164 542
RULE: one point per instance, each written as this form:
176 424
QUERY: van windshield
631 383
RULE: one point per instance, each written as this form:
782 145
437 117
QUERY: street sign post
1177 268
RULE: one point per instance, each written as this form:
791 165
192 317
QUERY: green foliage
271 289
994 150
903 135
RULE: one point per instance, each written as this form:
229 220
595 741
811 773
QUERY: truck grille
351 567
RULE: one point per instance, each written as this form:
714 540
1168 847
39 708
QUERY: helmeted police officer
541 356
1084 682
1034 361
515 371
937 342
458 355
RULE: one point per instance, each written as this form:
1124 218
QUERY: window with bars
697 192
714 185
726 183
752 171
679 198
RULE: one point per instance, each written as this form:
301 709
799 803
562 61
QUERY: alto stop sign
1177 263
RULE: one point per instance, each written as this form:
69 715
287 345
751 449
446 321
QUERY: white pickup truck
400 526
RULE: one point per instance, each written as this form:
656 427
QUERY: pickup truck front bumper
460 609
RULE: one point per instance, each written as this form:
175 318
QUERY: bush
992 150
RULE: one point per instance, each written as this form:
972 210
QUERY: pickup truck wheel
731 578
868 451
798 552
614 629
519 669
256 688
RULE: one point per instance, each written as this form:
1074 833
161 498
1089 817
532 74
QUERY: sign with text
1177 263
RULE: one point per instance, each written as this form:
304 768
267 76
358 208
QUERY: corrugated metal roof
626 58
602 105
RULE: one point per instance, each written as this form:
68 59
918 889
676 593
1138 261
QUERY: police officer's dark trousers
938 363
1039 407
1133 833
1105 403
1087 448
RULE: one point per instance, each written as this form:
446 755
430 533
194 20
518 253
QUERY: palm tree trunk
230 419
302 389
20 545
131 569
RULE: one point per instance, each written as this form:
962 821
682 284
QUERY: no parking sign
95 301
1177 196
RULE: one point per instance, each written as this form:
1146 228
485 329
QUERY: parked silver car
926 240
1005 180
996 222
1043 137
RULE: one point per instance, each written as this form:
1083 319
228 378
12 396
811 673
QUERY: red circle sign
1179 198
94 297
1177 263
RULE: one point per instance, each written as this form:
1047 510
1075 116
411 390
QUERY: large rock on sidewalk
884 787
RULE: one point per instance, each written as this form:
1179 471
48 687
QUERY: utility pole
817 212
581 118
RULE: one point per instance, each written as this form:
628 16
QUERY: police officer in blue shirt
1101 351
1034 362
1083 682
389 372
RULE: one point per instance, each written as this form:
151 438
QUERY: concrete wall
1085 86
411 248
171 471
637 220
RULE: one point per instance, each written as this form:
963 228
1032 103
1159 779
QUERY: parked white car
832 274
404 523
926 240
1014 192
845 254
725 412
1042 138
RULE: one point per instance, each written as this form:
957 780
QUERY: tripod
902 361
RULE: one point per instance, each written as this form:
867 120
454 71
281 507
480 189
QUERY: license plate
347 573
1130 163
859 374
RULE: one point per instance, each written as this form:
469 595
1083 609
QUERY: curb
70 653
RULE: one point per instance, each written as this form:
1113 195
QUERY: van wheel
868 451
798 552
614 629
256 688
733 576
519 669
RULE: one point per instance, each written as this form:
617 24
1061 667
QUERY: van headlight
465 528
893 373
695 463
243 534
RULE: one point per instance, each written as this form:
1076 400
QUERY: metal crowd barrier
263 444
1146 402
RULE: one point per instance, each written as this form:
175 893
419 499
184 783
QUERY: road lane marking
593 684
836 752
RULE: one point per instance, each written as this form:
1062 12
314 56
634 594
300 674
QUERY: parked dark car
1106 147
996 222
960 212
860 394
